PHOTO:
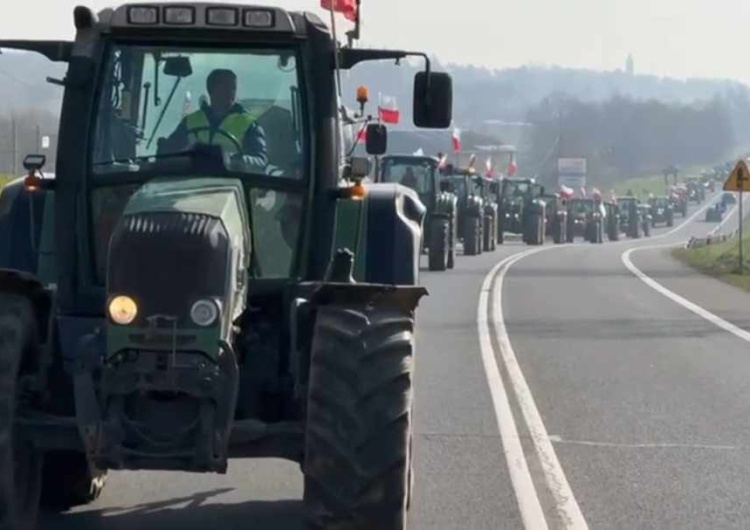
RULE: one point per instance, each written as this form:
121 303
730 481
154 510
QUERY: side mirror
178 67
376 142
34 162
433 100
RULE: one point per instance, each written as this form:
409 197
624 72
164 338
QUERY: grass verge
721 260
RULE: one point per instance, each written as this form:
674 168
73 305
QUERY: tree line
623 137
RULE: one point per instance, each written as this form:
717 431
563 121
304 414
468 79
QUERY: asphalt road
644 402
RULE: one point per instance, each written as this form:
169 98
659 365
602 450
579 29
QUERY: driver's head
222 88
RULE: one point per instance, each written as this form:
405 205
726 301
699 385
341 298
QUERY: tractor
471 207
201 292
585 220
612 219
646 217
679 198
661 211
631 220
440 230
490 207
696 190
556 216
521 210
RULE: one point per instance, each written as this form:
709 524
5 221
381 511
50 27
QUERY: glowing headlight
204 312
122 310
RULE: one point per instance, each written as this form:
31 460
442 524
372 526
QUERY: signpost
571 172
737 181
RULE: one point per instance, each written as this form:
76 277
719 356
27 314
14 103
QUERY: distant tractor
470 218
661 211
421 174
585 220
556 217
632 223
522 211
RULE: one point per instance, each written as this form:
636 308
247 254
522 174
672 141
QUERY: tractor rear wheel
359 415
438 245
20 462
452 243
70 481
472 237
488 233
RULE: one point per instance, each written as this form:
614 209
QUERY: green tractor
521 210
612 220
471 207
662 210
556 216
585 220
482 188
631 220
231 291
646 217
440 230
696 190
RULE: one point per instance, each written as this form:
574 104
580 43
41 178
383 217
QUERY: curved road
633 409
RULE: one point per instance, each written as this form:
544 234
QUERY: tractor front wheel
69 481
20 462
359 416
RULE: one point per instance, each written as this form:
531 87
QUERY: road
642 403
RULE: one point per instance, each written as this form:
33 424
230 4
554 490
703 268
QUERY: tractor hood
180 242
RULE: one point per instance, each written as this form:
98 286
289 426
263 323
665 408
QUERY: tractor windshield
416 174
580 207
184 111
515 189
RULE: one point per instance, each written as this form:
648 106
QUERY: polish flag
388 109
456 139
566 191
488 166
512 168
361 135
583 192
347 7
443 162
472 160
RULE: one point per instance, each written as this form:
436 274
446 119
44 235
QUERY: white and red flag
388 109
456 139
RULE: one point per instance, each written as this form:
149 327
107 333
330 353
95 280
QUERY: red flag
347 7
512 168
361 135
443 162
388 110
456 139
488 166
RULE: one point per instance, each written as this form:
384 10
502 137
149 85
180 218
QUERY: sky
675 38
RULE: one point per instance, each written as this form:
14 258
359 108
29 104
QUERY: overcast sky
679 38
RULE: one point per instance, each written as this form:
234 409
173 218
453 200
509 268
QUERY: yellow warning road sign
739 179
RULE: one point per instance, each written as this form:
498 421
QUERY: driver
410 179
223 118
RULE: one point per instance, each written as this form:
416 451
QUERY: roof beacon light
179 15
258 18
221 16
143 15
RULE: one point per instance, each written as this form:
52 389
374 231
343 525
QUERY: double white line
529 505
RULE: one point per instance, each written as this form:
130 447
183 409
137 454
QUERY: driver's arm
177 140
254 145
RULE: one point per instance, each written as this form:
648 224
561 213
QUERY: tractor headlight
122 310
204 312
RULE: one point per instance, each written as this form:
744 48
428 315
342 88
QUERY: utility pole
14 138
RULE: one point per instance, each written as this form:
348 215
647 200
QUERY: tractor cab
218 259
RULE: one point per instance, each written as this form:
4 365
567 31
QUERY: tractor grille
167 261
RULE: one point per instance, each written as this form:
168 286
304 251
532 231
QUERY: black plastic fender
21 214
395 219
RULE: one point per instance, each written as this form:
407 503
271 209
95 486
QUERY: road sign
739 178
45 142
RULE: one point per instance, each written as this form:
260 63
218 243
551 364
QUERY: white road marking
531 510
530 507
559 440
565 501
684 302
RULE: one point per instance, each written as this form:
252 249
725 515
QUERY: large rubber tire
357 457
20 463
488 233
646 230
70 481
452 244
472 237
438 245
670 220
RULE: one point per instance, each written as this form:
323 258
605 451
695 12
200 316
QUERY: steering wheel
232 138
